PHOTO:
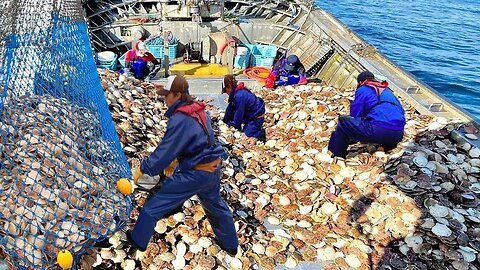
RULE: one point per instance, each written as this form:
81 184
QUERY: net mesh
60 157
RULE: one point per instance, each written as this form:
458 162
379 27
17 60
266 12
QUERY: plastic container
122 60
159 52
267 51
107 60
243 50
242 61
259 61
262 55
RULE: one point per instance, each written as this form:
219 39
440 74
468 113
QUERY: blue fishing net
60 157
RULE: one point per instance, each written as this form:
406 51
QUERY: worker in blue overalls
140 63
245 111
376 116
190 139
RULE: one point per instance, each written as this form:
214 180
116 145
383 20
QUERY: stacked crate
262 55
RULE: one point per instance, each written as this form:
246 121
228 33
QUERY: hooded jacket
280 75
189 138
377 103
243 106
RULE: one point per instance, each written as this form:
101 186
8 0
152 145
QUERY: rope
257 73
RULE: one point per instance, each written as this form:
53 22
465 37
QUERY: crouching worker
376 116
141 63
189 138
287 72
245 111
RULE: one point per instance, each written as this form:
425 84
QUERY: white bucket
106 56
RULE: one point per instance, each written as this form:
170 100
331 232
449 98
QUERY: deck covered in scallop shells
296 207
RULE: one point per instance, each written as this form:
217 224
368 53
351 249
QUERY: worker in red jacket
141 63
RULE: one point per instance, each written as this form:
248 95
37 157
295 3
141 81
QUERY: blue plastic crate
259 61
262 55
267 51
122 60
267 62
159 52
242 61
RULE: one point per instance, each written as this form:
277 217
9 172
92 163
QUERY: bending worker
376 116
244 108
190 139
141 63
286 72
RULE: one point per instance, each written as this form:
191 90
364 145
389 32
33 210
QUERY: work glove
137 173
171 168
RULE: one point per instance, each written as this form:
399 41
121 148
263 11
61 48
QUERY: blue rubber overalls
247 109
190 138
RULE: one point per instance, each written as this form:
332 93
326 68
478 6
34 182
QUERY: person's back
244 108
376 116
383 110
252 105
200 146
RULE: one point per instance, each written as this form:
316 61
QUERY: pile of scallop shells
138 114
58 188
415 207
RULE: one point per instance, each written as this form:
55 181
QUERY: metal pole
165 46
222 9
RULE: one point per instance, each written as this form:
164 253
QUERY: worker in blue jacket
376 116
189 138
245 111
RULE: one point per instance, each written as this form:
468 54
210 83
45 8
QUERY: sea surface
437 41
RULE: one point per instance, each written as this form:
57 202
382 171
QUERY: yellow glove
171 168
137 173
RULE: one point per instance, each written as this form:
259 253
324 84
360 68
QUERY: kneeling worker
190 139
141 63
286 72
244 108
376 116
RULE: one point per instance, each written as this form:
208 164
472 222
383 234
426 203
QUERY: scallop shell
474 152
420 161
471 136
413 241
441 230
353 261
438 211
258 248
468 256
291 262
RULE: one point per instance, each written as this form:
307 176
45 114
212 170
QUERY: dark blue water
438 41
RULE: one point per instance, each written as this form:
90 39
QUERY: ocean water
437 41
